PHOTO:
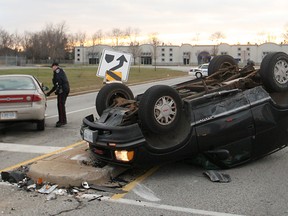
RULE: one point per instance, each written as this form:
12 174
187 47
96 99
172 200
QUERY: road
258 188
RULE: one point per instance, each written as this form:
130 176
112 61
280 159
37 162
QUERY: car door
226 123
271 120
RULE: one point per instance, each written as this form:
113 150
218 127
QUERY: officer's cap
54 64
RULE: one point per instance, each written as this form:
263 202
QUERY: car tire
108 93
153 107
198 75
41 125
274 72
219 62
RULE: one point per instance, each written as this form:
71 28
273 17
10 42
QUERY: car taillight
20 98
36 98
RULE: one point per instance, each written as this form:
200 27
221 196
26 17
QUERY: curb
71 168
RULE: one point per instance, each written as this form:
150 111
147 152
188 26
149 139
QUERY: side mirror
45 88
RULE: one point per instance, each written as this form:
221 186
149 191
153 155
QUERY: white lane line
11 147
68 113
157 205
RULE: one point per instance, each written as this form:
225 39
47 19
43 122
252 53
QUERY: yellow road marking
132 184
43 156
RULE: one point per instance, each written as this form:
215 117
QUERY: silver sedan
22 98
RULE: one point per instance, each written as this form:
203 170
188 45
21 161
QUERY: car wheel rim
165 110
281 72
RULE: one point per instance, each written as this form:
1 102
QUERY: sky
174 21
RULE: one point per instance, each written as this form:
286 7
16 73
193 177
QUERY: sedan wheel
41 125
198 75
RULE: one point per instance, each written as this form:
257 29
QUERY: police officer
61 88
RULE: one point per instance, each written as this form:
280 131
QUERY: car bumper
105 141
34 113
126 145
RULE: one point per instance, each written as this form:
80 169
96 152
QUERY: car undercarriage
231 117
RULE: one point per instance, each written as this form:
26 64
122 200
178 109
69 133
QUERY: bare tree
135 51
216 38
48 44
6 42
134 45
97 37
17 41
33 46
132 34
25 43
154 40
55 39
117 35
80 38
71 44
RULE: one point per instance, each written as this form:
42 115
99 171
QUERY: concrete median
71 168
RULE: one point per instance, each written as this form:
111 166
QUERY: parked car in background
22 98
200 71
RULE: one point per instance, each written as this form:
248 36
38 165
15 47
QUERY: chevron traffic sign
114 63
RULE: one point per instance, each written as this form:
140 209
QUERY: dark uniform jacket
60 82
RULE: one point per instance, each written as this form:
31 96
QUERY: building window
171 54
239 54
78 59
171 60
78 50
163 60
248 49
163 54
171 50
163 50
78 54
239 48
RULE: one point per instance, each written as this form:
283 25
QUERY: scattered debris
94 162
216 176
102 188
47 189
13 177
31 187
51 196
96 198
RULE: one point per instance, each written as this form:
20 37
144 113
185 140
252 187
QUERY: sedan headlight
124 155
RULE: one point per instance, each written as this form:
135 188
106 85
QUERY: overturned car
231 117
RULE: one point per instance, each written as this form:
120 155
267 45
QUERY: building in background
186 54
